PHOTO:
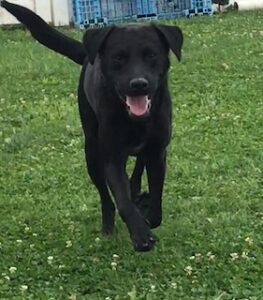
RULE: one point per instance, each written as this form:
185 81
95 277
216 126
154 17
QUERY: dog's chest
137 140
135 149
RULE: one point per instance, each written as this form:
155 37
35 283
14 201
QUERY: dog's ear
93 41
173 37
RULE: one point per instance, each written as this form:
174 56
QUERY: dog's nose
139 84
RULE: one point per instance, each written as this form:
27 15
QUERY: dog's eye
118 58
149 54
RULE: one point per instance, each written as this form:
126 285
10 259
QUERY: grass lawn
211 239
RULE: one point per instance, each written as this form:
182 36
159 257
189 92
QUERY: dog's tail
47 35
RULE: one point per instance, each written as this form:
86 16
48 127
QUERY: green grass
211 244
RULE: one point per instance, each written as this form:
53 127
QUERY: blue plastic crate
86 10
146 7
200 4
92 12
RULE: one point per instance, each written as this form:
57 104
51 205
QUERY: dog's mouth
138 106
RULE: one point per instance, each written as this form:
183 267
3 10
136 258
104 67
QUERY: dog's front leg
155 167
118 181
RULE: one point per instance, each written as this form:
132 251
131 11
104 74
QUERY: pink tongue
137 105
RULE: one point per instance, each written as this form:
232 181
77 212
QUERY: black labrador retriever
125 109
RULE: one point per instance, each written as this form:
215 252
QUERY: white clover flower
234 256
61 266
72 297
249 240
6 276
68 244
8 140
114 266
97 239
174 285
188 270
153 288
95 259
84 207
245 255
19 241
12 270
27 229
24 288
50 260
115 256
198 256
210 255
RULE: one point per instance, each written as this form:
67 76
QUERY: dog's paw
144 243
141 236
146 246
1 2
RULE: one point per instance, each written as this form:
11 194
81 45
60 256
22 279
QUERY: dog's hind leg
155 167
47 35
141 200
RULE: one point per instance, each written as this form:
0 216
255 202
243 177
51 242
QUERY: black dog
125 109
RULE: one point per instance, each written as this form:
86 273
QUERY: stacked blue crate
146 8
118 9
100 12
170 9
86 11
207 7
199 8
200 4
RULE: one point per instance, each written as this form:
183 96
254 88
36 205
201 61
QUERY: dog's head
134 60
